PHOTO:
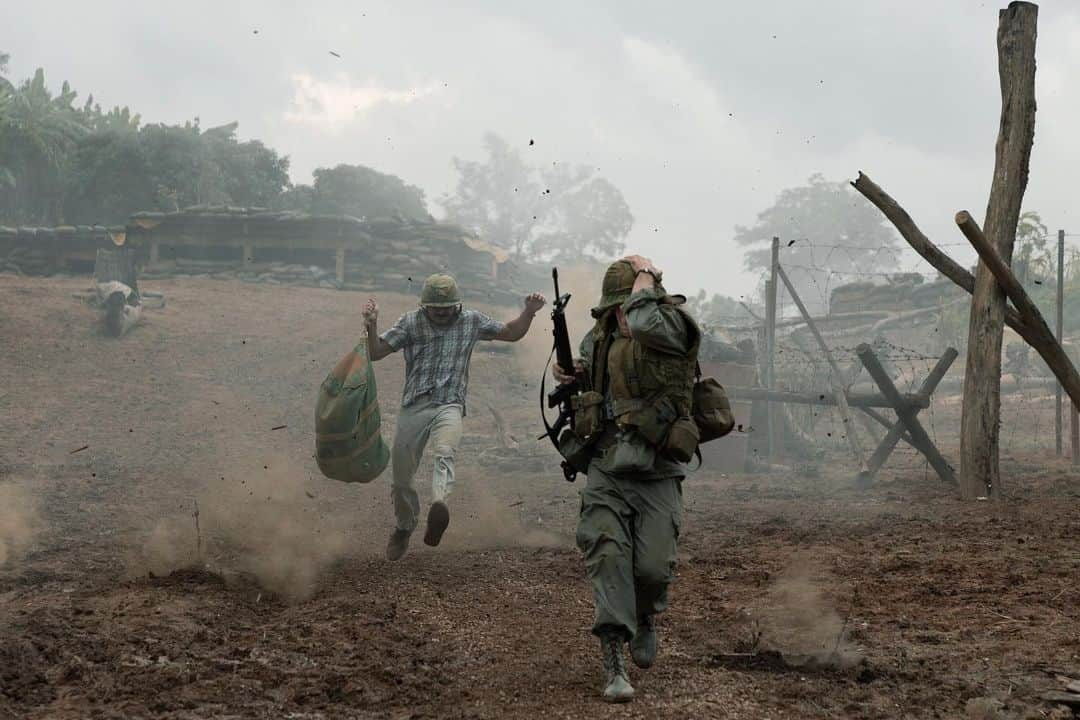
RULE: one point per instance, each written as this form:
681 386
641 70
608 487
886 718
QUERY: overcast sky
701 113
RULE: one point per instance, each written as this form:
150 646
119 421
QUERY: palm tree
38 131
7 177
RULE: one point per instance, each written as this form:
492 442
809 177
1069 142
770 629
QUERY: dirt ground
164 552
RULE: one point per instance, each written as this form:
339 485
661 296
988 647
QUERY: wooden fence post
1060 334
981 414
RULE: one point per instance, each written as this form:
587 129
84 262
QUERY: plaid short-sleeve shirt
437 358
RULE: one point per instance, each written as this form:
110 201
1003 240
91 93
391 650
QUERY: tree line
62 162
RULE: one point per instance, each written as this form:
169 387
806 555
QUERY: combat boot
438 519
617 687
399 543
643 644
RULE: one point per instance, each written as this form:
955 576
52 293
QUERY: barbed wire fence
908 348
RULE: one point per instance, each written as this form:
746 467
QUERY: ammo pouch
711 410
630 453
682 440
588 410
652 421
576 451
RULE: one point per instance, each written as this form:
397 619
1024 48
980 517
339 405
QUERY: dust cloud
265 524
583 283
801 623
19 521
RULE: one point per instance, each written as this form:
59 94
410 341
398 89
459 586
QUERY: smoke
19 521
266 524
802 624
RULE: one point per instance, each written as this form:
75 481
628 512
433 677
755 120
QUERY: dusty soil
797 596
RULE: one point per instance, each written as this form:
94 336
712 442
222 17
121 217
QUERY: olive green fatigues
629 524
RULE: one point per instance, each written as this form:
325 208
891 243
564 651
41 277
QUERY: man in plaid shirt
438 340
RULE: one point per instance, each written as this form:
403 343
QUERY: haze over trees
358 191
563 212
823 228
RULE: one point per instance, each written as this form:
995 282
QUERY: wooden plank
907 415
835 376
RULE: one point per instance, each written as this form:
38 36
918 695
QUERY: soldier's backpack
348 438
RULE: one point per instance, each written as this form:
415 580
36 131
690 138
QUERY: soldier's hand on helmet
371 313
533 303
640 263
563 377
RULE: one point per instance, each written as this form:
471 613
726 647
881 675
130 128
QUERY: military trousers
628 533
421 424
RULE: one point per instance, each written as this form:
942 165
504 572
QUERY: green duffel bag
348 442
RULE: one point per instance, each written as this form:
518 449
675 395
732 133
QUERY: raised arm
651 323
377 347
517 328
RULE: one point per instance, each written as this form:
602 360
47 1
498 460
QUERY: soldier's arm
654 324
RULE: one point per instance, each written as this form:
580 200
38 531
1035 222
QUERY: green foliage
1031 258
561 213
60 163
37 132
365 193
821 225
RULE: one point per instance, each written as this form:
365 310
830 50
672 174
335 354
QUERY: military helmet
440 290
617 287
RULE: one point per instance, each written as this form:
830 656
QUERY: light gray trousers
418 425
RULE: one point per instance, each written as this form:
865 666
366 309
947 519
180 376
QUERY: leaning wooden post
1038 332
981 414
1060 334
835 376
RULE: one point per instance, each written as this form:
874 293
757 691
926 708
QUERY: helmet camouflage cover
440 290
617 287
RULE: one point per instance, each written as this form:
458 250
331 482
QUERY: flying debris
334 54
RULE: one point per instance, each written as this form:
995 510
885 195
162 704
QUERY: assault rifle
560 396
